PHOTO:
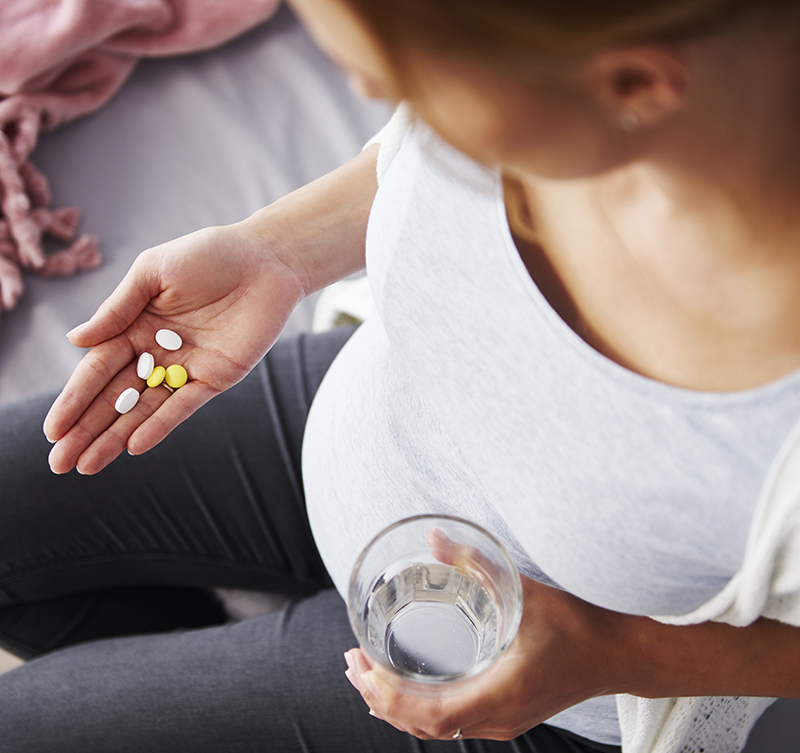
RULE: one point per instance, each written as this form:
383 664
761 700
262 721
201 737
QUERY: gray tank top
467 394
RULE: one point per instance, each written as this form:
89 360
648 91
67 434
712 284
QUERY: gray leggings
104 587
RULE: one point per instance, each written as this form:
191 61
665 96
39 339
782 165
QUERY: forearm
319 230
715 659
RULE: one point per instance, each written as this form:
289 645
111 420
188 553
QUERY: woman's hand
221 290
566 651
227 291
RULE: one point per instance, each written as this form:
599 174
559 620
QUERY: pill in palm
145 366
176 376
156 377
168 339
127 400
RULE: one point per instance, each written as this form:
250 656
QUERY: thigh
271 683
219 502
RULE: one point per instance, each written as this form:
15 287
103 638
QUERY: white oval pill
145 366
127 400
168 339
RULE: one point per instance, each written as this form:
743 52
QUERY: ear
639 86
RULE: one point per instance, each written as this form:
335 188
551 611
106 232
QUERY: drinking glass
434 601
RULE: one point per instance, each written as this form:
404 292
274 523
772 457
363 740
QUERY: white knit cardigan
768 585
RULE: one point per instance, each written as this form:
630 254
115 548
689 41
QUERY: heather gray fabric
219 503
273 683
467 394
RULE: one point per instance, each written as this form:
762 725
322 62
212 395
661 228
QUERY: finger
96 370
350 675
358 674
120 309
419 717
357 661
114 440
441 545
465 558
173 411
384 702
429 718
449 552
99 415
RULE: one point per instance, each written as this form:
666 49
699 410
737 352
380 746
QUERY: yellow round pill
176 376
156 377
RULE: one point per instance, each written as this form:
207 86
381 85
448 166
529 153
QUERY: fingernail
348 660
368 683
52 441
359 663
441 535
75 330
349 675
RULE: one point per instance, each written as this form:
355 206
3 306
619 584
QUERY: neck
684 274
682 261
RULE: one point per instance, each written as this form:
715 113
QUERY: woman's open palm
221 290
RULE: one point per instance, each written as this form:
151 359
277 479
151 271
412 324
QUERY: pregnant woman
580 230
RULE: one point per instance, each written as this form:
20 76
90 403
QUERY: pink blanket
63 58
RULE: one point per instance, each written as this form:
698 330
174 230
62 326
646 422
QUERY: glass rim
434 680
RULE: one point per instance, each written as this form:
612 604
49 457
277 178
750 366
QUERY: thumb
448 552
120 309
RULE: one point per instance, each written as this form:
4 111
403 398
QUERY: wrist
318 232
665 661
714 659
636 655
627 664
277 241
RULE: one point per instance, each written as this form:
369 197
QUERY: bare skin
668 245
674 245
671 248
567 651
229 291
